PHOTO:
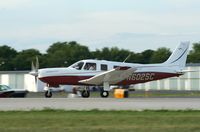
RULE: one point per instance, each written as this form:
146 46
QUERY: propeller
37 64
34 68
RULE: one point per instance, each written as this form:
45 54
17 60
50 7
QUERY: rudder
179 56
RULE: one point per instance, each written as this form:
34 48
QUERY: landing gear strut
105 90
48 94
85 93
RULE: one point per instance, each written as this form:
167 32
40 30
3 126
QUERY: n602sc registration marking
141 76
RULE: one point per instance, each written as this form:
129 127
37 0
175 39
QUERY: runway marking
99 103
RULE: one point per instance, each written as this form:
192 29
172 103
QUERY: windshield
4 87
78 65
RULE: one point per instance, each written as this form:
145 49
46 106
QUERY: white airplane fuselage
72 75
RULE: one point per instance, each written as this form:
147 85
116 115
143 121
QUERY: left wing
112 77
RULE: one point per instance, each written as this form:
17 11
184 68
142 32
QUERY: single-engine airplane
107 73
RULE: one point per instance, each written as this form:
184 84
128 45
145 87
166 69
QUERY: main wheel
85 94
48 94
104 94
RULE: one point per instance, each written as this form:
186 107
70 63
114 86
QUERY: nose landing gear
48 94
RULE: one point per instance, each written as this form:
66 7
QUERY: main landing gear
86 92
105 90
104 94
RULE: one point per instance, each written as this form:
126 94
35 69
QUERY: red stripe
63 80
74 80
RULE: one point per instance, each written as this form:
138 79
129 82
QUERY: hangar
189 81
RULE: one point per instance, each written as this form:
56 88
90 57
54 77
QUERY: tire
48 94
85 94
104 94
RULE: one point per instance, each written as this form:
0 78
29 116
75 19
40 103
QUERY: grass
99 121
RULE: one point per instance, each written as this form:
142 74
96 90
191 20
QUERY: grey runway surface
99 103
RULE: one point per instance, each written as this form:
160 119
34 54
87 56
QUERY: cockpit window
78 65
90 66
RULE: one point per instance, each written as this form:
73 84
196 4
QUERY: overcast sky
136 25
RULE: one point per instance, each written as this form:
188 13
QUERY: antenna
127 58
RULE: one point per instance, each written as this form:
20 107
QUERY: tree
6 56
160 55
146 56
65 53
62 54
24 58
111 54
194 55
119 55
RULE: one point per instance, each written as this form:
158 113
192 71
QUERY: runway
99 103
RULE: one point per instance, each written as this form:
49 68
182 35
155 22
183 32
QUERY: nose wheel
104 94
48 94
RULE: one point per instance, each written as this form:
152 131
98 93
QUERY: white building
18 80
189 81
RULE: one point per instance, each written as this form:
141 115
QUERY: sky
136 25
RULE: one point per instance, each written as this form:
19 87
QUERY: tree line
63 54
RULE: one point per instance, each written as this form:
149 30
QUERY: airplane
104 73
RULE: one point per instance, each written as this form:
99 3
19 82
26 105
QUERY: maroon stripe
63 80
135 78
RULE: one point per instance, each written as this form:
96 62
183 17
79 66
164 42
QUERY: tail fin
179 56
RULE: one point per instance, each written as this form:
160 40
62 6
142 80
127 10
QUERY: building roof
14 72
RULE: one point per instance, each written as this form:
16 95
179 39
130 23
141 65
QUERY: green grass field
99 121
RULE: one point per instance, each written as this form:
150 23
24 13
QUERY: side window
90 66
104 67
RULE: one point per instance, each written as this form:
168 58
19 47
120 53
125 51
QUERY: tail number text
142 76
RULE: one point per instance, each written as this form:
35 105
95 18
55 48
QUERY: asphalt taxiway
99 103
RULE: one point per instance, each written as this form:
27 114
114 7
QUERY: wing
112 77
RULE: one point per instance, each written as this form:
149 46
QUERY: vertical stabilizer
179 56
